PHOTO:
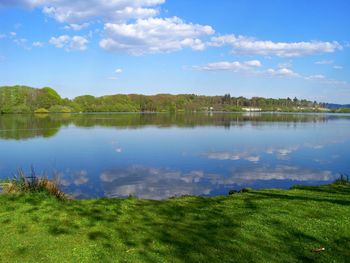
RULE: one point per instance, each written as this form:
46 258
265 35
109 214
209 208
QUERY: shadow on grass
239 228
332 189
339 200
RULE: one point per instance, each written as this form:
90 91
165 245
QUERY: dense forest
22 99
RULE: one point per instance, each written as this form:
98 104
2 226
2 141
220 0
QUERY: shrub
60 109
41 111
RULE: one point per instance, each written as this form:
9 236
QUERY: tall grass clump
343 179
21 183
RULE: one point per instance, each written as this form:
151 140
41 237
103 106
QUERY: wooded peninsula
23 99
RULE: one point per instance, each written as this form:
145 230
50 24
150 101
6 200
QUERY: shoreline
179 112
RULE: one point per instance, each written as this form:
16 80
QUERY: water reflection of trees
31 126
20 127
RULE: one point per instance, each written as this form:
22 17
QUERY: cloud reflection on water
73 177
159 183
233 156
279 172
152 183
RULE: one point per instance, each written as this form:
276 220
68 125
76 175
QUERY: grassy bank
258 226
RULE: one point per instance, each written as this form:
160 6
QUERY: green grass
256 226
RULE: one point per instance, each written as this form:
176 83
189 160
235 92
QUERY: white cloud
281 72
154 35
22 42
119 71
316 77
69 43
253 63
60 41
324 80
324 62
248 45
76 27
338 67
231 66
78 43
147 34
38 44
247 67
285 65
84 10
250 67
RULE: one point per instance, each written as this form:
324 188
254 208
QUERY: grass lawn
258 226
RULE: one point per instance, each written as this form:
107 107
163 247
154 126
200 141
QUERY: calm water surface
157 156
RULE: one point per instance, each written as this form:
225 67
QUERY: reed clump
22 183
344 179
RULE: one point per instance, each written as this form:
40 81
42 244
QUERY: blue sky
246 48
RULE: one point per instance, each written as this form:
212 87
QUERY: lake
157 156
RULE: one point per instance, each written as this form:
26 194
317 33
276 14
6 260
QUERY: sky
267 48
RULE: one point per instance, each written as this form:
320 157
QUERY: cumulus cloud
119 71
253 63
281 72
60 41
132 27
248 45
69 43
83 10
154 35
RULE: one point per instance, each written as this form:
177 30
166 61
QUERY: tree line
23 99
